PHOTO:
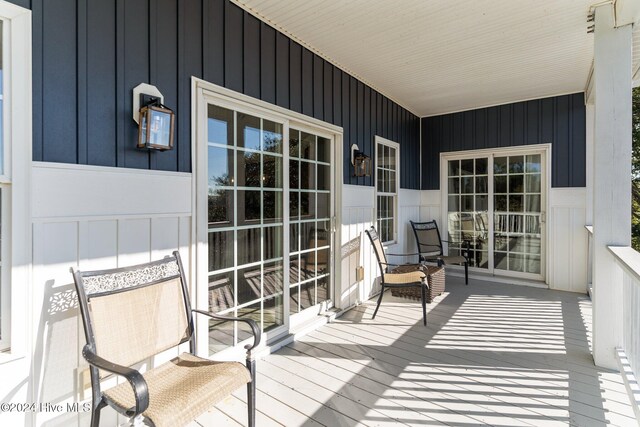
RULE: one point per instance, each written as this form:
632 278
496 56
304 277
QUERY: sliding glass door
496 202
270 204
518 213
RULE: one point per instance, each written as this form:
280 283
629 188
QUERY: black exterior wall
558 120
88 56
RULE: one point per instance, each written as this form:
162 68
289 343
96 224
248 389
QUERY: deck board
492 354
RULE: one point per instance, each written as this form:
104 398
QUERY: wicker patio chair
129 315
416 278
430 247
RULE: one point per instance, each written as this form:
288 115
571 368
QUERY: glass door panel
245 223
310 207
518 213
468 209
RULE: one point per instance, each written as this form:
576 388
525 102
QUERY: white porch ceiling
442 56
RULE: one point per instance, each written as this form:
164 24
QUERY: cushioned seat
183 388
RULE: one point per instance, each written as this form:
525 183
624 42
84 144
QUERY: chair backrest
427 238
378 249
133 313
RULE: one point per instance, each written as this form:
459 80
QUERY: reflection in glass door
518 213
245 223
468 209
496 202
310 210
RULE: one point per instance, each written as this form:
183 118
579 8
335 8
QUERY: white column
611 180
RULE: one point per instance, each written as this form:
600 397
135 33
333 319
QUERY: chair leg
95 411
466 273
95 418
251 394
424 304
379 301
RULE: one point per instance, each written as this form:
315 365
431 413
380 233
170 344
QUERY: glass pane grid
309 226
245 246
468 188
386 186
517 243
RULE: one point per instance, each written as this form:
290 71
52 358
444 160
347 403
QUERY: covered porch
260 197
492 354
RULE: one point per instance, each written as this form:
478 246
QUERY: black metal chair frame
440 258
384 265
133 376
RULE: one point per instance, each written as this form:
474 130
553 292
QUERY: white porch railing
628 262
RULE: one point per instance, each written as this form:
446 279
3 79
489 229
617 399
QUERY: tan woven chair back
138 313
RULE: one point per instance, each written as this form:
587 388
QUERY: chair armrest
135 378
402 254
257 334
467 246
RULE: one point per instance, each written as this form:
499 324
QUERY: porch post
612 178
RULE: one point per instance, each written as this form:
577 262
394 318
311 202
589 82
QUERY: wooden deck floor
492 354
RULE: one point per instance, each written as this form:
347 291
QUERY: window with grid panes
387 190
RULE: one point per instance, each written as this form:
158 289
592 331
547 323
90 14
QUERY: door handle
543 217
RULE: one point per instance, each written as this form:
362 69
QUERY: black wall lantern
156 122
360 161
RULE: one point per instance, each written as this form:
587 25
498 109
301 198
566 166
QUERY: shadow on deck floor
492 354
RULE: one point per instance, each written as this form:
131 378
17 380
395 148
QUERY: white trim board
17 130
70 191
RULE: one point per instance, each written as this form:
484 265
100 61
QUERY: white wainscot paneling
408 210
358 214
567 240
430 206
358 205
69 191
93 218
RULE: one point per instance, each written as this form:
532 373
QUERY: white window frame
382 141
15 179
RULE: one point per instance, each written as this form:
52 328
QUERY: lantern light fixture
156 122
360 161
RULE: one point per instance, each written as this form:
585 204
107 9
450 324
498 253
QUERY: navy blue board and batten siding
88 56
559 121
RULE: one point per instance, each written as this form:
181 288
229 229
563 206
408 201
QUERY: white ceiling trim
263 18
497 104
